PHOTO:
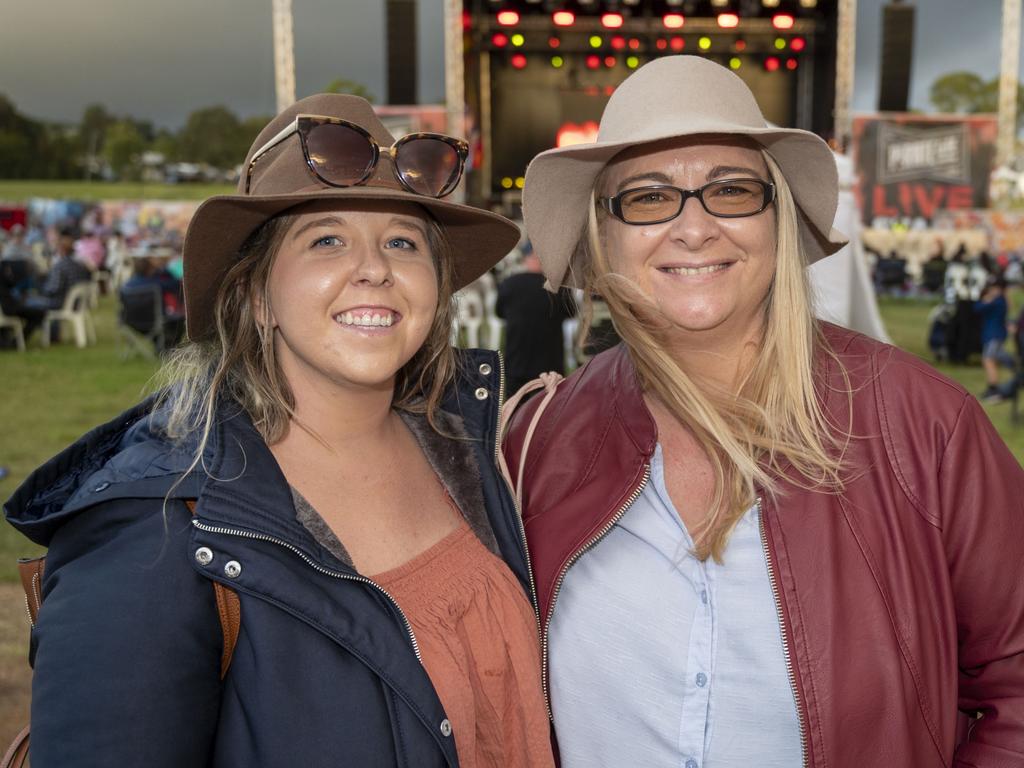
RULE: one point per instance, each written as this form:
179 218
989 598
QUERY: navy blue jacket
127 646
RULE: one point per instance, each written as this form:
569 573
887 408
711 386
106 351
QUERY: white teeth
366 319
696 270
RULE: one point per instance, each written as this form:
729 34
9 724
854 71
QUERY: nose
694 227
373 267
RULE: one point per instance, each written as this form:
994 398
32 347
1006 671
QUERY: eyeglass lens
339 154
427 166
721 198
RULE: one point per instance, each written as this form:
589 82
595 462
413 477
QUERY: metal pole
284 55
846 41
1009 65
454 77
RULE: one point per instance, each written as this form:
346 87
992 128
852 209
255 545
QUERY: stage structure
537 73
284 54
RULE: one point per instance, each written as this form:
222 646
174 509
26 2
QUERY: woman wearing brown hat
756 538
341 460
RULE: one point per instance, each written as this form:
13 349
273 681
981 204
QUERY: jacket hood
126 457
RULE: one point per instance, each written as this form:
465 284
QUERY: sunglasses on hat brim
343 154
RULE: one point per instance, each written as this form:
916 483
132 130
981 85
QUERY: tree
966 93
212 135
341 85
123 149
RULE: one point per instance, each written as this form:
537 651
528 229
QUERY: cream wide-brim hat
673 97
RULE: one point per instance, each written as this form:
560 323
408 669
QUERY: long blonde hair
774 418
238 361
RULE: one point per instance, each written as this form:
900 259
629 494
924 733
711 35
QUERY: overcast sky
162 59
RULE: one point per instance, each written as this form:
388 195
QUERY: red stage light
662 44
618 43
782 21
611 20
634 44
740 45
673 20
797 44
728 20
609 61
791 64
563 18
499 40
518 61
677 44
508 18
771 63
593 61
467 20
554 42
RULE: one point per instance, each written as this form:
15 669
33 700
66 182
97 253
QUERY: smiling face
352 293
707 275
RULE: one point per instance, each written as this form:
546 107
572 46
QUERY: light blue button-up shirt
658 659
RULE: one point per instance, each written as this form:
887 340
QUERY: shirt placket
693 727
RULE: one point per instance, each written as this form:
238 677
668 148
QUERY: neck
717 358
340 420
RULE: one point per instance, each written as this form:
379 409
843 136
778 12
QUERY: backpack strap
549 383
229 611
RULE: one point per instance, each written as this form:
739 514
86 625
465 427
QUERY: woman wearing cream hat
322 464
756 538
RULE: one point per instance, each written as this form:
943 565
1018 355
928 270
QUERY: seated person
65 272
148 271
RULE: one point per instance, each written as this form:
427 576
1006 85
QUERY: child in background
993 310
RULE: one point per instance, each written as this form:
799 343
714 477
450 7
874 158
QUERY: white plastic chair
75 311
17 325
471 316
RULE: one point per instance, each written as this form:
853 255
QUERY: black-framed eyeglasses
658 203
344 154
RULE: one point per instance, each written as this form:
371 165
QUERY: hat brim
560 183
220 226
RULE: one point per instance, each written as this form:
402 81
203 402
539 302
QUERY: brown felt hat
281 180
673 97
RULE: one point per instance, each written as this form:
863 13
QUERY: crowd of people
40 265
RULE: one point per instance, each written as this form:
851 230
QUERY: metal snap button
232 569
485 369
446 728
204 555
481 393
101 487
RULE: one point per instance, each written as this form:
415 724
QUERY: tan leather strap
229 611
18 751
31 572
547 381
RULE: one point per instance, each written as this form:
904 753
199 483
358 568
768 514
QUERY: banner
911 167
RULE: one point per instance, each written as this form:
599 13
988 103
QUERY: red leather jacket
901 600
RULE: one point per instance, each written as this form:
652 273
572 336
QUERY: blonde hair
238 361
774 418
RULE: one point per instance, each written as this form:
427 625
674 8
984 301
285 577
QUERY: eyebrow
408 223
722 170
648 175
321 222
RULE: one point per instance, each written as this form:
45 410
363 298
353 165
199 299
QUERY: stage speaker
400 25
897 54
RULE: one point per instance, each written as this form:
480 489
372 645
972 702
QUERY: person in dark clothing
993 309
12 306
533 317
64 273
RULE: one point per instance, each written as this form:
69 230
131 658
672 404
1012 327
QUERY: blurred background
117 118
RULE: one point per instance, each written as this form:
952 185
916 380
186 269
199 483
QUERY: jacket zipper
565 569
512 494
785 637
320 569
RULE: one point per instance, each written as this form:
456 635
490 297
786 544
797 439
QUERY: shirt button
446 728
704 596
691 763
702 679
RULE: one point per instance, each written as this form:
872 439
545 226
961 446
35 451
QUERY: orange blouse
478 640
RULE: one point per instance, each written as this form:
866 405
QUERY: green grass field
87 191
52 396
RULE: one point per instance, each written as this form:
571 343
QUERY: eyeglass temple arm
281 135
